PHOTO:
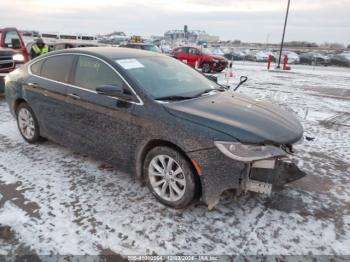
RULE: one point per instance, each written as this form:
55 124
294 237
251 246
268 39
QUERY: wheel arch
17 102
141 155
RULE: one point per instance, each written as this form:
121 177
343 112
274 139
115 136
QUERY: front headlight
18 58
216 61
248 153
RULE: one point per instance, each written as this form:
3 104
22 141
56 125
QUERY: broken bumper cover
284 172
221 173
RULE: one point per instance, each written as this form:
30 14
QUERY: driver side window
91 73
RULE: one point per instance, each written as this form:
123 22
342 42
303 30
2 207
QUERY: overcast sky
247 20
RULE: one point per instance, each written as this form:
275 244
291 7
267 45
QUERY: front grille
4 64
4 58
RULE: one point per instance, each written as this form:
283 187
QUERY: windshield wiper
173 98
206 91
176 98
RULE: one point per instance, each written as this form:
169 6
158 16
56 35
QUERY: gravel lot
58 202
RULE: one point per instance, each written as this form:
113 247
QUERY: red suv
206 60
12 52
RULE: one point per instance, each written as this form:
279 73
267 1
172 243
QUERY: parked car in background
251 55
29 36
166 49
143 46
59 45
342 59
156 118
204 58
217 51
293 58
235 55
263 56
314 58
67 45
12 52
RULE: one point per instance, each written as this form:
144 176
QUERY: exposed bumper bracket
258 187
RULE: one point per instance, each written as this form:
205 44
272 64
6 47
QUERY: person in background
38 48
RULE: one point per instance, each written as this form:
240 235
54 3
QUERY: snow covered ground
60 202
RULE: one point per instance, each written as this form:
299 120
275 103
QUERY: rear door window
91 73
58 68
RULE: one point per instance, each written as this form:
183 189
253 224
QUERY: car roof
139 44
109 52
186 46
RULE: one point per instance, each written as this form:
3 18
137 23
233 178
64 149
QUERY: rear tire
170 177
27 123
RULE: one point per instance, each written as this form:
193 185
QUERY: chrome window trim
140 102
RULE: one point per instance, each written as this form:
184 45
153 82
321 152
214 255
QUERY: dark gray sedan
155 117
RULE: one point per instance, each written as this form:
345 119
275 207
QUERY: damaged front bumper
221 173
262 176
266 165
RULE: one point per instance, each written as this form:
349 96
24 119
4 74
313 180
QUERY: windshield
151 48
206 51
162 76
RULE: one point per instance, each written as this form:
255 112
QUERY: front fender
219 173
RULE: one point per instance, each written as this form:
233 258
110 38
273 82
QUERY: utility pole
284 32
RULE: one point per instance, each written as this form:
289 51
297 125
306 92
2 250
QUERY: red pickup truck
207 61
12 52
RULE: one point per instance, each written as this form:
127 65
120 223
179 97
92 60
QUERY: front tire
27 123
170 177
206 68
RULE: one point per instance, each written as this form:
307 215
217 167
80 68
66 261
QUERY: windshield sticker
129 63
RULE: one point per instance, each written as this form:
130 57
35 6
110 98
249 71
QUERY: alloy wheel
167 178
26 123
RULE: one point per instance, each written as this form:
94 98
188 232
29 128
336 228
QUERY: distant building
192 36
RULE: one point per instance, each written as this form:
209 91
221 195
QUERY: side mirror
242 80
110 90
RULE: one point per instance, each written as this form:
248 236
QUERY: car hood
245 119
6 51
216 57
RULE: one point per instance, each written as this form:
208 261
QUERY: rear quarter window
36 67
57 68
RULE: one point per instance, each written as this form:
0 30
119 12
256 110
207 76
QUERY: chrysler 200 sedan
155 117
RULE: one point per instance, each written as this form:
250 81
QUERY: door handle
74 96
33 85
